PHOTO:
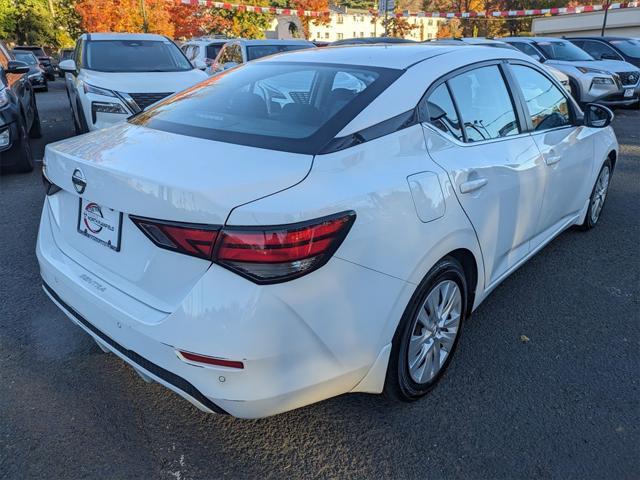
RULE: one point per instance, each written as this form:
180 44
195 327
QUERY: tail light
262 254
280 253
191 239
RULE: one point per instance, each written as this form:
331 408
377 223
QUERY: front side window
548 107
599 50
259 51
484 104
563 50
213 50
134 56
282 106
441 112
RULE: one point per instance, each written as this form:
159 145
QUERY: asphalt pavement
564 404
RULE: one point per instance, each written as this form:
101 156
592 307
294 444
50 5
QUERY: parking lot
545 383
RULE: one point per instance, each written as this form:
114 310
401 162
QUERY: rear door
474 131
567 148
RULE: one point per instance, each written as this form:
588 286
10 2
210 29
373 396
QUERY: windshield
562 50
280 106
259 51
135 56
26 58
38 52
629 47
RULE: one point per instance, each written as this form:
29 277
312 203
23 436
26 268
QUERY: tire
46 86
36 127
598 196
406 380
79 122
21 153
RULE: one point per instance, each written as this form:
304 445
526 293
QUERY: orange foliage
313 5
125 16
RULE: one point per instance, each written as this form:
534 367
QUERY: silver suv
202 51
236 52
601 81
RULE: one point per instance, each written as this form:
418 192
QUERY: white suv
237 52
202 52
114 75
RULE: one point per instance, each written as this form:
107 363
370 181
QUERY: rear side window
277 105
548 107
213 51
442 113
484 104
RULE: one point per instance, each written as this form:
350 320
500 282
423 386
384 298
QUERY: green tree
33 23
7 18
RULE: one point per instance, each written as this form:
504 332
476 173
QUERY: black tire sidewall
22 150
399 383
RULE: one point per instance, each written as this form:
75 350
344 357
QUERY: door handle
472 185
552 159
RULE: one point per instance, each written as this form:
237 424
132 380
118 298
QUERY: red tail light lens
262 254
278 253
218 362
191 239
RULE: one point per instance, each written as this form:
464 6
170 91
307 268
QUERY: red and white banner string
489 13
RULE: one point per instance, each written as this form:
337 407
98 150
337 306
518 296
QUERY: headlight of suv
97 90
602 81
34 75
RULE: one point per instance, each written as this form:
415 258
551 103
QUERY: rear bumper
298 345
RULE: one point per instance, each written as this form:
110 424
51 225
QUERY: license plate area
100 224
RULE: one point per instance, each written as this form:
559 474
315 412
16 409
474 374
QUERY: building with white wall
350 23
624 22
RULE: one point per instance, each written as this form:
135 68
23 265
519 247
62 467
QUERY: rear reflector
279 253
262 254
191 239
218 362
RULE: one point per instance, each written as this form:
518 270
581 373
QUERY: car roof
369 40
124 36
605 38
533 39
273 42
398 56
209 41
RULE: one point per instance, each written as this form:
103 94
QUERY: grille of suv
145 99
629 78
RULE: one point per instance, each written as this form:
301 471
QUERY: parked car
256 251
202 52
369 41
114 75
624 49
43 58
237 52
487 42
603 81
64 54
19 117
35 74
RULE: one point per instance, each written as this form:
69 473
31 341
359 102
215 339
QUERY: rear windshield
259 51
214 50
296 107
563 50
37 51
26 57
135 56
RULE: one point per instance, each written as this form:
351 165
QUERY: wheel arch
613 157
469 264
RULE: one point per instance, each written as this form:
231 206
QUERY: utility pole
604 21
145 25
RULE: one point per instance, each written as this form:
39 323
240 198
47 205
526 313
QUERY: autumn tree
312 5
126 16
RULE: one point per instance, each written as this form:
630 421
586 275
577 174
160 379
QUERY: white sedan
318 222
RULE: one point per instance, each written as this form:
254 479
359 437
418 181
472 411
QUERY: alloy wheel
434 331
600 194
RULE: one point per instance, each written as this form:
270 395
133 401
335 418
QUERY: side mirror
67 66
199 64
16 66
597 116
